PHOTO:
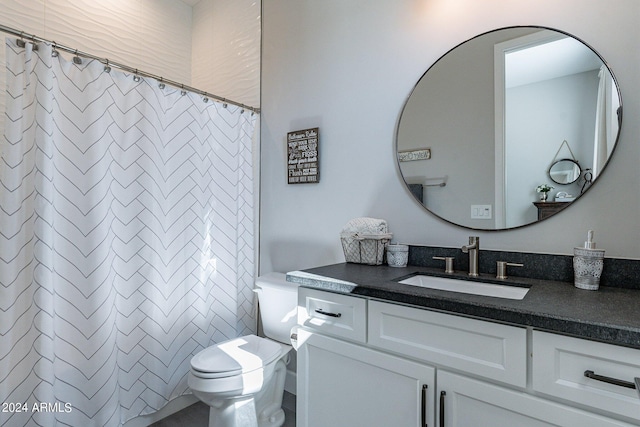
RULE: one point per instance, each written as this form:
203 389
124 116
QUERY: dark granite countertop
610 315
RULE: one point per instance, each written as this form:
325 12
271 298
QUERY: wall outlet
481 212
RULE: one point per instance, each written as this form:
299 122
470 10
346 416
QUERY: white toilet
242 379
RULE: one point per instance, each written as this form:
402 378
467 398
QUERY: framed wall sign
302 154
411 155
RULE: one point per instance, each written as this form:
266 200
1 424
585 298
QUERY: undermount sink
467 286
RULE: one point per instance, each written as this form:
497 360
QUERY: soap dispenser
587 265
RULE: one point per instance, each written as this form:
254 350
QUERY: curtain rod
35 39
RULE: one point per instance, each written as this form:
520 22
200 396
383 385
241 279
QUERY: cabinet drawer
469 403
559 365
333 314
476 347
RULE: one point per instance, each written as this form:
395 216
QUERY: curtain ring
107 68
76 59
20 42
54 52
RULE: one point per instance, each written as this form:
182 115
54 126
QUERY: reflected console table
546 209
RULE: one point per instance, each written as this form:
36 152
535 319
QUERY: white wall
348 66
214 46
226 49
567 107
152 35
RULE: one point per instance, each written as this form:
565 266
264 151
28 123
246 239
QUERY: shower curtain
126 239
601 144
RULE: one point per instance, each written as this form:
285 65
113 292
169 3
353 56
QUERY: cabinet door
466 402
346 385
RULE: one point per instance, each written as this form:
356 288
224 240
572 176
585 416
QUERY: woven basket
364 240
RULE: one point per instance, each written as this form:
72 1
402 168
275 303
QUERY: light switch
481 212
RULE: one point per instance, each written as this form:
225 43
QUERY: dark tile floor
197 415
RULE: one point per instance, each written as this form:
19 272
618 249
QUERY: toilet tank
278 305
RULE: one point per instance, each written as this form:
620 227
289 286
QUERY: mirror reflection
565 172
502 114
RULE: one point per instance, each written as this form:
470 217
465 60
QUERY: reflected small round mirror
565 171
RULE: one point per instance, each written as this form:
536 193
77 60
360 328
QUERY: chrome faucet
472 249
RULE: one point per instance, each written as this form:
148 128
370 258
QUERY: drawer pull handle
609 380
424 405
442 395
326 313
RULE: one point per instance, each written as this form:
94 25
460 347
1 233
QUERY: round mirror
479 130
565 171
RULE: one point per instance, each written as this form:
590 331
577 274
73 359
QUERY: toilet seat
238 356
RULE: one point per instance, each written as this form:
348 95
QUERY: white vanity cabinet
372 363
486 349
341 383
587 373
333 314
346 385
467 402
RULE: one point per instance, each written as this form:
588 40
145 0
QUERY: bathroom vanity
375 352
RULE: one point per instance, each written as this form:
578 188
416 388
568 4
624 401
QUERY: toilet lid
235 357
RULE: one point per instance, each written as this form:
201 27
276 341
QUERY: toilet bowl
242 379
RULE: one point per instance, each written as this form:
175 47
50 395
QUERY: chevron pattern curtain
126 239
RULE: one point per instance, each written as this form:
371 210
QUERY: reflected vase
543 196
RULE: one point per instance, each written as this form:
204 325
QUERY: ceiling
549 60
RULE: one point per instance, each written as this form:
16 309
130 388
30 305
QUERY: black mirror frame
575 162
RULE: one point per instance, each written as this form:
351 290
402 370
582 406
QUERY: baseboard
177 404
